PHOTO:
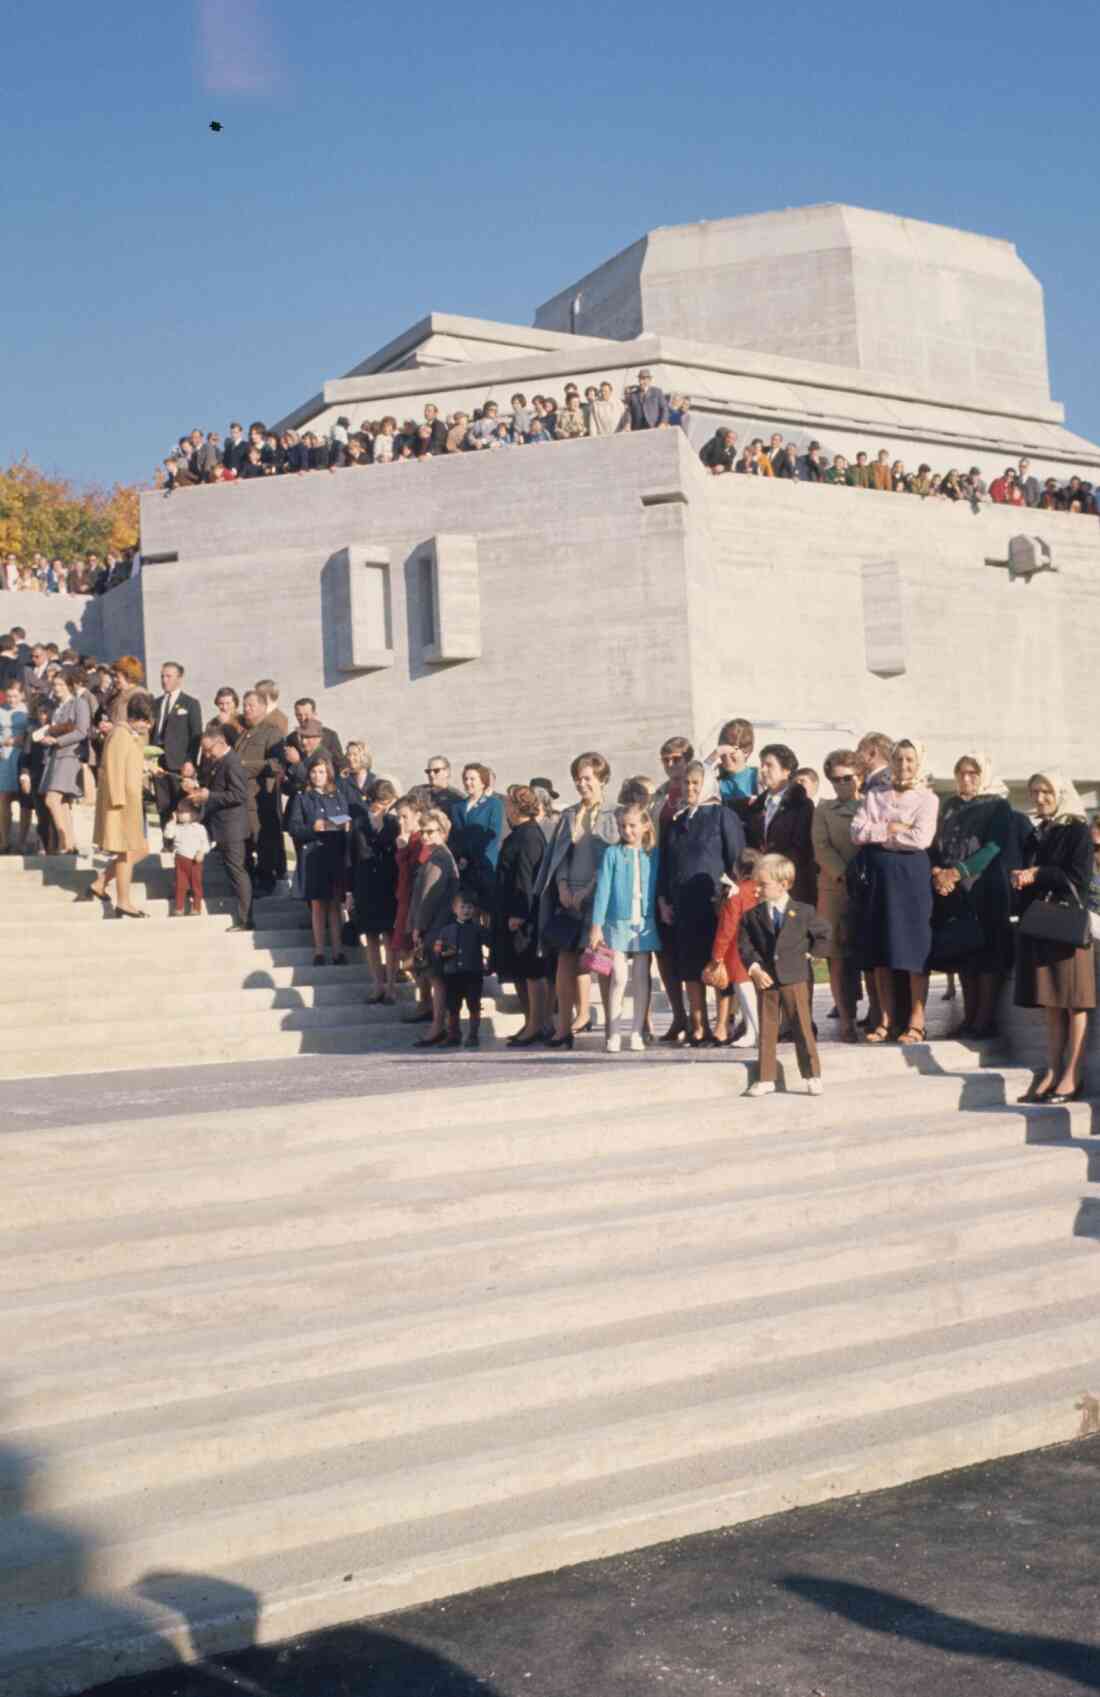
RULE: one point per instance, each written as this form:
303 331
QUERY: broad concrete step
114 1186
433 1339
63 1645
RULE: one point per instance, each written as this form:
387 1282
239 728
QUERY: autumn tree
49 515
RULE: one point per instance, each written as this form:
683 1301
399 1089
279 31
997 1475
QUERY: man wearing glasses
440 792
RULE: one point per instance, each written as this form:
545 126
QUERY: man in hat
646 405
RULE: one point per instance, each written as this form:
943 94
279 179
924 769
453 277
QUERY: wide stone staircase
269 1369
86 993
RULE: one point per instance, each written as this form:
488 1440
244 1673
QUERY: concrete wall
814 585
610 592
581 587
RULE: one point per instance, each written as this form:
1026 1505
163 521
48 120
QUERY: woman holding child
700 848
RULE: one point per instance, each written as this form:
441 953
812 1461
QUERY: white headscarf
1069 809
988 785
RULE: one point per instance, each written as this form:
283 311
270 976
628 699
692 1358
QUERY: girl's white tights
636 969
746 998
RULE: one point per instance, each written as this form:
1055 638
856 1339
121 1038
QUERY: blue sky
378 162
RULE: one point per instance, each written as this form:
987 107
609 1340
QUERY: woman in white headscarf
1056 976
894 828
700 846
972 858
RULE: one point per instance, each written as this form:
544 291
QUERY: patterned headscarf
988 784
1069 809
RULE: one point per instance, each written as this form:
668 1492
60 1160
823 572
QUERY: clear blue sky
380 161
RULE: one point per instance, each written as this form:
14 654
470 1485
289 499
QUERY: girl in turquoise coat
624 916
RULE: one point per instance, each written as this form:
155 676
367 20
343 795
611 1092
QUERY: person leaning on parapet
603 412
861 475
720 453
482 430
1029 486
882 476
646 406
785 463
810 467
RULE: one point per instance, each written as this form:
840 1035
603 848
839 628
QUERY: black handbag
1049 920
563 931
960 934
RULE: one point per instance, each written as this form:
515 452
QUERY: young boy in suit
775 940
459 949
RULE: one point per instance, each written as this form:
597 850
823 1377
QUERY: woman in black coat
374 833
699 846
318 820
434 890
515 955
1057 977
780 819
973 854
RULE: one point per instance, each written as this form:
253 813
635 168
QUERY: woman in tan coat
120 805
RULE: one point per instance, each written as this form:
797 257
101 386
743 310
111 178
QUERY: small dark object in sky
215 125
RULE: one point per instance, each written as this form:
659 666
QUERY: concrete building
517 607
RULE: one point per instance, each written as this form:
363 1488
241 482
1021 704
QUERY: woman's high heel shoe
1033 1093
565 1042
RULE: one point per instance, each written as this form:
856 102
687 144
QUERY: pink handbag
599 960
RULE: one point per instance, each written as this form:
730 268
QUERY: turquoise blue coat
614 900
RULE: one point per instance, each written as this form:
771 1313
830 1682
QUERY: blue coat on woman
476 831
614 900
322 855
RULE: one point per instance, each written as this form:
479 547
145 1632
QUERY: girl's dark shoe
339 960
431 1042
565 1042
318 960
674 1034
1033 1093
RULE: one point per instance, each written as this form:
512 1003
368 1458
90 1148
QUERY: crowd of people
730 874
89 575
1015 486
205 457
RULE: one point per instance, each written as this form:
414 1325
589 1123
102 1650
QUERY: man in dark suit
258 749
775 940
224 803
780 819
177 730
646 406
36 674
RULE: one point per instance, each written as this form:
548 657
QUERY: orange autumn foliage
48 515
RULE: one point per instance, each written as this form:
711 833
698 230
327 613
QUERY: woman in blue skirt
894 827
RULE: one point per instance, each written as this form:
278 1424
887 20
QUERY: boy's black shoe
473 1040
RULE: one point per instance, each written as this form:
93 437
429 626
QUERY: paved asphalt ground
980 1583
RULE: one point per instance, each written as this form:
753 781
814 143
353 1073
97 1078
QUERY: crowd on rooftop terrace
206 457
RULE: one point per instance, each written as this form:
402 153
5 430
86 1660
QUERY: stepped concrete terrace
270 1366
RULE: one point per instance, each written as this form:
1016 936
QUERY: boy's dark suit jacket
802 933
791 834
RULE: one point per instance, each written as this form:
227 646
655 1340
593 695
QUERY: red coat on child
729 919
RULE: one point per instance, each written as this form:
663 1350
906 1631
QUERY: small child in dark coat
775 940
459 946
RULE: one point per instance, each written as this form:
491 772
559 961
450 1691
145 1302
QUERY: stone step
738 1144
265 1510
62 1646
147 978
647 1199
96 1461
